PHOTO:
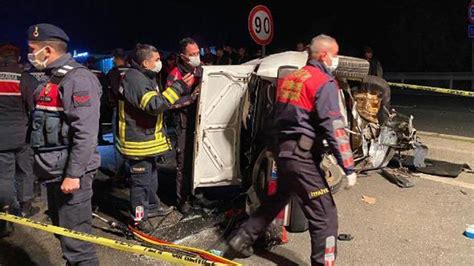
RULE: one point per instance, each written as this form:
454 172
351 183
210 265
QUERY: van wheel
262 168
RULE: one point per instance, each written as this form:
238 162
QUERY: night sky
407 35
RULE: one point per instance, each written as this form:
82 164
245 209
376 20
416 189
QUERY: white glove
351 180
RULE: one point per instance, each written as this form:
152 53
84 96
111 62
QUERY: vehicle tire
352 68
262 166
260 171
298 222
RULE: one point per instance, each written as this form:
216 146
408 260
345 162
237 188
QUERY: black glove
180 88
198 72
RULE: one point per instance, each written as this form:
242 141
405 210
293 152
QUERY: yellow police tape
427 88
433 89
115 244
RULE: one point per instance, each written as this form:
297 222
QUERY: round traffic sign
470 12
260 24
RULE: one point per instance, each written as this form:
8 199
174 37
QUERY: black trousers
184 155
302 177
143 176
16 177
74 211
25 178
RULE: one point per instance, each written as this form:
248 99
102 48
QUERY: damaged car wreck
378 132
232 167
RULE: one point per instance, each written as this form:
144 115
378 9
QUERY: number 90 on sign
261 25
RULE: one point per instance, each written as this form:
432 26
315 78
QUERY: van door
217 139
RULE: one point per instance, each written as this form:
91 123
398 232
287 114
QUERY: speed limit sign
260 25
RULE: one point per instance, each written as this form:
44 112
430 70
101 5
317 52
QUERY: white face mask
38 64
158 67
334 63
195 61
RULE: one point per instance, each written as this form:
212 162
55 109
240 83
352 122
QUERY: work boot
186 209
28 210
142 226
160 211
241 246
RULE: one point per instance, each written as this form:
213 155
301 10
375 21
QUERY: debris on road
437 167
345 237
469 231
398 176
369 200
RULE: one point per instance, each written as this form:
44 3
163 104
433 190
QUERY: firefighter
16 156
65 125
141 136
306 112
189 63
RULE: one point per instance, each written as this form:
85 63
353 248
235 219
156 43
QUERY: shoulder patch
81 99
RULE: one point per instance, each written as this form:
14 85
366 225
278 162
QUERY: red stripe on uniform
334 114
9 87
340 133
329 263
346 147
330 250
348 162
329 256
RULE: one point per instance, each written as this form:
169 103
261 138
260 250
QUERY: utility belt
298 147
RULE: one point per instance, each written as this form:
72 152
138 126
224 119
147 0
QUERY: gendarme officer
64 136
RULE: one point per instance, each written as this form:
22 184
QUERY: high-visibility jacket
141 132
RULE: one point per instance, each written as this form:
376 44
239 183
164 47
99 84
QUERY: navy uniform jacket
308 105
81 103
16 101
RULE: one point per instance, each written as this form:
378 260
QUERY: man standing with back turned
306 112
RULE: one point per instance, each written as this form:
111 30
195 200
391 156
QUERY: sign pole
264 53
